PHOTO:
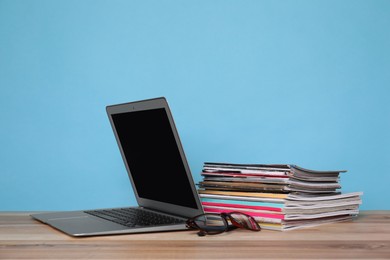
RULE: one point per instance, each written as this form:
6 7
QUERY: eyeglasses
212 224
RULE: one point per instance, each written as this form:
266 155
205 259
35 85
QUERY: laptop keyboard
135 217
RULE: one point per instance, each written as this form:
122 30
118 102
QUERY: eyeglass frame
190 223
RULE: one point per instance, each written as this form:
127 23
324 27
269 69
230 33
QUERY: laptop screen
153 157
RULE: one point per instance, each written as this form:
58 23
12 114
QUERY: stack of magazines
278 196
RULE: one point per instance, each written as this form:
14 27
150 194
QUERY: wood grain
367 237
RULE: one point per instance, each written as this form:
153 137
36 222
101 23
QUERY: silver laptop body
157 167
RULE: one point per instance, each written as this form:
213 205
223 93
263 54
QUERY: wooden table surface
367 237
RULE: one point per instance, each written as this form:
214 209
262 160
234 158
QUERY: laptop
159 174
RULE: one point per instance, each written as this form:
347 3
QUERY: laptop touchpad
77 226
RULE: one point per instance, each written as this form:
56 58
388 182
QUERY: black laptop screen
153 157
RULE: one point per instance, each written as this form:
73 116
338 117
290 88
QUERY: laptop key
132 217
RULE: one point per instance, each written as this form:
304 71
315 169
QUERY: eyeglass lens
211 223
244 221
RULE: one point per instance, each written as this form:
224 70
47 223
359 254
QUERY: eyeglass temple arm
190 224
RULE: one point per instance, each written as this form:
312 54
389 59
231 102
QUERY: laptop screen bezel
150 104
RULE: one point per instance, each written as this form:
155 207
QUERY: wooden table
367 237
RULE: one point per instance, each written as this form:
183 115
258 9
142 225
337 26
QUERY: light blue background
303 82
